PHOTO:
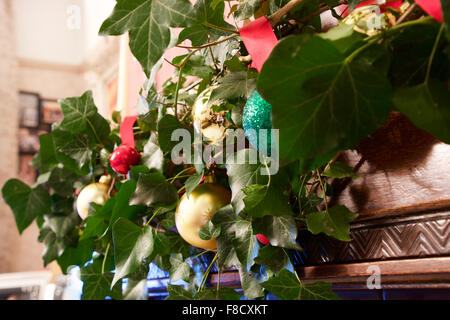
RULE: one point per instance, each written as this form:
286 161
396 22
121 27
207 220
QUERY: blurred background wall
51 48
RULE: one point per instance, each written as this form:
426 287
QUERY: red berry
261 238
123 158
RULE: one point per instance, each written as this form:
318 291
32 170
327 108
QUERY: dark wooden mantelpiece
403 198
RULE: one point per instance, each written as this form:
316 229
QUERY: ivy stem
180 77
154 215
198 255
104 258
205 275
355 53
268 173
300 194
406 14
218 280
433 52
323 190
95 132
212 26
179 174
295 272
278 15
211 43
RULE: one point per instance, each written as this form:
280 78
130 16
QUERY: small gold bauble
212 125
369 20
194 212
94 192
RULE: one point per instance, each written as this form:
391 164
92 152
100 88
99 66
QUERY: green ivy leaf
208 231
53 247
339 170
235 85
192 182
344 37
54 142
153 156
79 149
205 13
132 244
166 126
254 195
76 256
81 116
96 285
273 258
241 176
445 5
225 218
25 202
179 269
287 287
427 106
178 293
320 88
176 244
310 203
410 57
61 181
246 9
252 289
221 293
148 23
245 243
153 190
136 290
281 231
335 222
122 206
97 221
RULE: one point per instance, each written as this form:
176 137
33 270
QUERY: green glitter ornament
257 115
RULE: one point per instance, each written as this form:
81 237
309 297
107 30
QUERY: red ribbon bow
126 131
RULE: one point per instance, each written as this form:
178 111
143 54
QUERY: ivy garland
328 90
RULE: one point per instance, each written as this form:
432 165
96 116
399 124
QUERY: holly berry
194 212
261 238
94 192
123 158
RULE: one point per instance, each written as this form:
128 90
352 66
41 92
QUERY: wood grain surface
402 170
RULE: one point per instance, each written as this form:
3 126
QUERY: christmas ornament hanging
194 212
370 20
261 238
123 157
94 192
257 115
211 124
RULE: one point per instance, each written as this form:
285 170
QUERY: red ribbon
126 131
259 39
432 7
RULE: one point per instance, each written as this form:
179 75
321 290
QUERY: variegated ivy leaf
148 23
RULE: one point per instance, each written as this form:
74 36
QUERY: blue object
257 115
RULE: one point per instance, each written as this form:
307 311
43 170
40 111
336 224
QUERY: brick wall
8 130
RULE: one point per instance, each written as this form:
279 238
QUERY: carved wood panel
425 235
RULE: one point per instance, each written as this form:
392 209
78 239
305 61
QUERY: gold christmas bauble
369 20
94 192
194 212
211 124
